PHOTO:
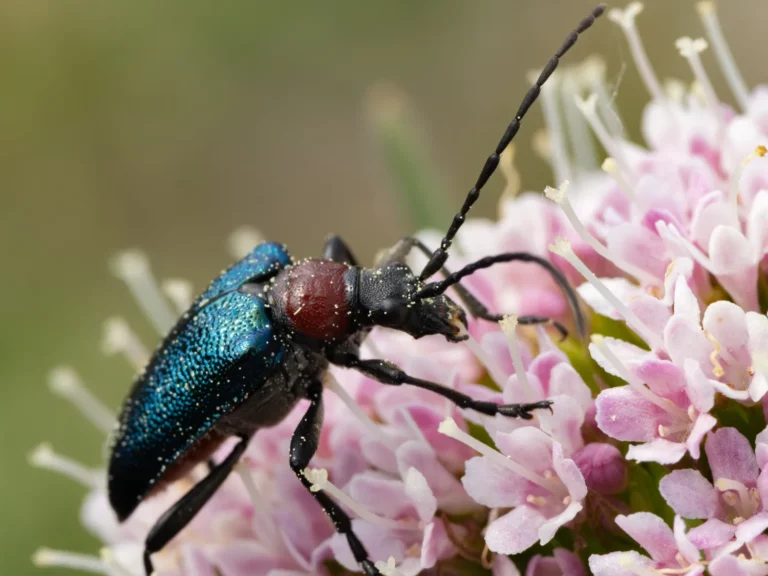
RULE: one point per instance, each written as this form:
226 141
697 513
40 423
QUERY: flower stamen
132 267
562 247
243 240
626 20
118 338
180 292
588 108
708 13
638 386
449 428
48 558
265 528
44 457
66 383
494 371
509 326
560 197
318 477
560 163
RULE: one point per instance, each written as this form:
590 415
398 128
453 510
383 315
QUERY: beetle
262 336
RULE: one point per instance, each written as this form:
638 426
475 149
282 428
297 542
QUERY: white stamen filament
333 385
108 557
509 326
318 477
708 13
132 267
44 457
180 292
243 240
612 147
449 428
389 568
676 90
562 247
118 338
560 163
66 383
593 75
266 530
560 197
496 373
638 386
690 49
626 19
582 145
46 558
611 167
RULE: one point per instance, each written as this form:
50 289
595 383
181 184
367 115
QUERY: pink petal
563 424
527 445
686 303
703 424
730 456
622 288
681 267
619 564
515 532
421 495
684 339
503 566
380 494
448 490
639 246
243 558
689 494
710 212
493 485
662 376
732 566
700 390
625 415
685 547
542 367
628 353
727 323
436 544
730 251
712 534
659 450
569 473
380 543
194 562
651 533
548 530
564 380
652 312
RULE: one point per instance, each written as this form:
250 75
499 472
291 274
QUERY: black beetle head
388 298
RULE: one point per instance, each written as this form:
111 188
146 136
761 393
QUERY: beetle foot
524 410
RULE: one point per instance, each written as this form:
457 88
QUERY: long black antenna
436 288
440 255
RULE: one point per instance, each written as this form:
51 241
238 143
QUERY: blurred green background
165 125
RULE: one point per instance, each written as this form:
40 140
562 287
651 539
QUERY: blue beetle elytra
262 336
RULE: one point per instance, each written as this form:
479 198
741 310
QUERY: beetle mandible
261 338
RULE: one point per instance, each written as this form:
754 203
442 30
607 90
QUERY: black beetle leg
387 373
303 446
337 250
181 513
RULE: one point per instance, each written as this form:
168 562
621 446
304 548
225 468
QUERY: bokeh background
165 125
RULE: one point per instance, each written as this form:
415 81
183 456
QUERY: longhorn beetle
261 337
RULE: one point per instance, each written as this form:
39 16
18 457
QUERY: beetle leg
337 250
388 373
303 446
181 513
475 308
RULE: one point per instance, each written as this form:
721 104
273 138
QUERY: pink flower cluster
668 247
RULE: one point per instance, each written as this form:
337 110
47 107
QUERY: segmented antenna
440 255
